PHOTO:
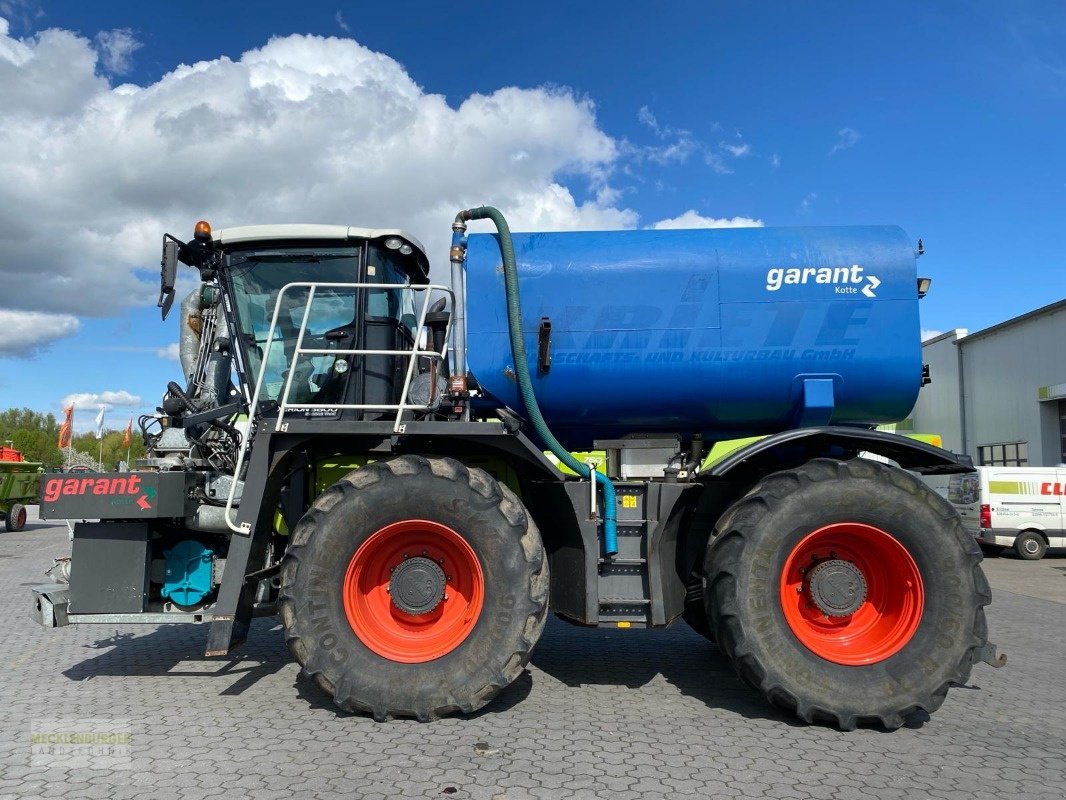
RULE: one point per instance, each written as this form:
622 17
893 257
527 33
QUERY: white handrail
295 352
413 355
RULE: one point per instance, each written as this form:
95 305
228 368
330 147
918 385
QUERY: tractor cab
322 320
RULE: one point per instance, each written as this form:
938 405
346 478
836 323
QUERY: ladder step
624 601
625 562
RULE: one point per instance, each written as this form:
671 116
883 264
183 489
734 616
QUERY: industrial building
999 395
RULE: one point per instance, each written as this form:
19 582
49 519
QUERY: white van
1019 507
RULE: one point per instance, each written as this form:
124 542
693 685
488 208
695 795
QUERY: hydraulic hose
525 385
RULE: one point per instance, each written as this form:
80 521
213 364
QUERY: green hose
525 385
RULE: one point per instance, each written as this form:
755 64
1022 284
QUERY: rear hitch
987 654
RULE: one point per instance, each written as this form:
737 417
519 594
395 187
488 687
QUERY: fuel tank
726 332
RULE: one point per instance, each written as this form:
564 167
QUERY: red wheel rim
20 520
884 620
396 634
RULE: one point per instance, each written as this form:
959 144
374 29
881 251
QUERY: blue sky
946 119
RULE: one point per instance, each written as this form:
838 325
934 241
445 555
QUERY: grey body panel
109 573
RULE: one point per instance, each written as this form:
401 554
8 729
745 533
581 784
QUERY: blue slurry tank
726 332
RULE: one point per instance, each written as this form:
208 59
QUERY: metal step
624 613
630 543
623 578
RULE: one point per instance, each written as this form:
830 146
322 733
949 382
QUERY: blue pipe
525 385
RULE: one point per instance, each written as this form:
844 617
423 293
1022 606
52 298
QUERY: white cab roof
257 233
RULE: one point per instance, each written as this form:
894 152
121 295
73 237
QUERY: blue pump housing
188 572
725 332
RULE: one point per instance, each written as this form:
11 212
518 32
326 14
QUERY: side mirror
168 271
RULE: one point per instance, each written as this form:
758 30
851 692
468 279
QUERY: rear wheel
847 592
16 518
414 587
1030 545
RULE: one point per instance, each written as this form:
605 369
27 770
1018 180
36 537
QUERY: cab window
257 279
393 304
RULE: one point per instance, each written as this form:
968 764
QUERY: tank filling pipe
188 336
458 256
521 368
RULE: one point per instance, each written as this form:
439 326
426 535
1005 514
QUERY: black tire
489 518
16 518
1030 545
746 559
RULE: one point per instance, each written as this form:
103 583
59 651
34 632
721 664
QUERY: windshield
332 320
257 279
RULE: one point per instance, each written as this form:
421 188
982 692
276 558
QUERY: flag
127 435
100 423
67 428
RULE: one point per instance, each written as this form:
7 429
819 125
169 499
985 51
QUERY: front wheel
414 587
847 592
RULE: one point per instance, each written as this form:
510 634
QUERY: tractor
387 463
18 487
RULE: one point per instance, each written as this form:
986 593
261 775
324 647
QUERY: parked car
1018 507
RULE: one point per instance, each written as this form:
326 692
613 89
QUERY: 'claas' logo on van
54 488
1052 488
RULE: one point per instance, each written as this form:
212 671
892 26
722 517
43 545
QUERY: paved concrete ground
624 714
1045 579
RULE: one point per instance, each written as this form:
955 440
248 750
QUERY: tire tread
724 569
483 484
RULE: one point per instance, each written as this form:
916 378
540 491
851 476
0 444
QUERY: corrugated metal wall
997 396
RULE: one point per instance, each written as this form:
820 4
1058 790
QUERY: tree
113 451
35 435
32 433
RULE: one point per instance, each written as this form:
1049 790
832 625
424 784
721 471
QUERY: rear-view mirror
168 271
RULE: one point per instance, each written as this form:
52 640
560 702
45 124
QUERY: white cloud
717 163
676 151
302 129
692 219
168 353
116 49
775 161
806 205
23 333
344 26
108 399
683 144
846 137
736 150
24 13
718 159
648 118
